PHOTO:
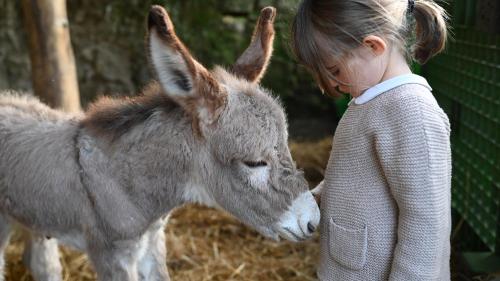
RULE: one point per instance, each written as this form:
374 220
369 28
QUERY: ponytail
431 29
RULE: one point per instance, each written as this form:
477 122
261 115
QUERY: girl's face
358 71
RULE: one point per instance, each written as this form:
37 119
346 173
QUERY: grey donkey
104 181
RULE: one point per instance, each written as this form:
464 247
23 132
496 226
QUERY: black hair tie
411 5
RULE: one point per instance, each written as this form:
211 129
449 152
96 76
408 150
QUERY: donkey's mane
113 117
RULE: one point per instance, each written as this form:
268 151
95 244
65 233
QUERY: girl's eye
255 164
334 70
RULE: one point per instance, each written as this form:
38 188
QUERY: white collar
389 84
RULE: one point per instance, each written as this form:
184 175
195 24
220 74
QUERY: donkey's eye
255 164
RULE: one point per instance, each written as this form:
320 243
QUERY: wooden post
52 61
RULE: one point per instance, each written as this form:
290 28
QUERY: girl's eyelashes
334 70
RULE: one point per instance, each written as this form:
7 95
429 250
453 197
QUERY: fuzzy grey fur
106 185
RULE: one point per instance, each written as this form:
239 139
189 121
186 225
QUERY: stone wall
14 58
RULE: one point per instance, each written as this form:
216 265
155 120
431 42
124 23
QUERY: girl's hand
317 192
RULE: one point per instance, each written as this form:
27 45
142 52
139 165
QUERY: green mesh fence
466 83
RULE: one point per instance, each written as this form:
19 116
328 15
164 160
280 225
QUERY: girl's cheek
344 78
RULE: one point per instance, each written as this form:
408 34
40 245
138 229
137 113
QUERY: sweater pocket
348 246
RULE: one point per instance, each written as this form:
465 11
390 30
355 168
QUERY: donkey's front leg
41 256
153 261
5 229
117 262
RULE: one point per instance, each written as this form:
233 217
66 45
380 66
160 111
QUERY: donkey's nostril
311 227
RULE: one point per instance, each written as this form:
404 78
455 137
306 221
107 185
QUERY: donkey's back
37 160
27 106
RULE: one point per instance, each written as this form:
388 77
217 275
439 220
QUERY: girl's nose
334 83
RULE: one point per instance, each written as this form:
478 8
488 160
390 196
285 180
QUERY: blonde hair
330 29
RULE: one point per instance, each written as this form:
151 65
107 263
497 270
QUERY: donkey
105 180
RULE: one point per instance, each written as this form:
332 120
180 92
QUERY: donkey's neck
150 168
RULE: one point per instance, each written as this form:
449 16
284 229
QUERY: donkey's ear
173 64
184 79
252 64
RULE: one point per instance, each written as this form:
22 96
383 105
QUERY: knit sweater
385 206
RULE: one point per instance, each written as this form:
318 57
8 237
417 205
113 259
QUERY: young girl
385 199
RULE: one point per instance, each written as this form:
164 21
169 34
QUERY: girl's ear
376 44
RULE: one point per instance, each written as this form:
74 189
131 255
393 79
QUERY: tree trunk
52 60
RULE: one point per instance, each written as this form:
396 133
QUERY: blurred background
106 46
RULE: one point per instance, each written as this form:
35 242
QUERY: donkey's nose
311 227
301 219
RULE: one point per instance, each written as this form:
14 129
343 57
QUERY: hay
211 245
205 244
312 157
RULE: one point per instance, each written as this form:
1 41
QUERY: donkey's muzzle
301 219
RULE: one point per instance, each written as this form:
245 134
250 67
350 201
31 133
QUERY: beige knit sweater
385 206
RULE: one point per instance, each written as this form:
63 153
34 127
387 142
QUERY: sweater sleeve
414 153
318 190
